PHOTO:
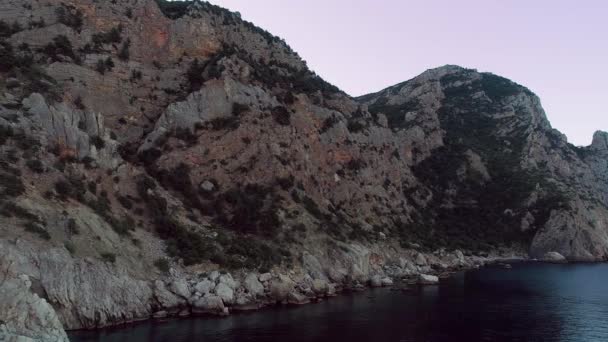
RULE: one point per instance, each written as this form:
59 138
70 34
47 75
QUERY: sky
556 48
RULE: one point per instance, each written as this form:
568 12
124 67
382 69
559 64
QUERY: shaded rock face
142 145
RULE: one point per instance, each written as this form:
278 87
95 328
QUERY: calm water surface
531 302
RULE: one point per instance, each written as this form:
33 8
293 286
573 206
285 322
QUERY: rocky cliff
144 145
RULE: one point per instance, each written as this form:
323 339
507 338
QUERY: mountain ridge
141 154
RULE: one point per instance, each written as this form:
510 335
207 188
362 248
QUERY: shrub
97 141
61 46
125 202
162 264
70 17
230 123
281 115
136 75
104 65
194 75
35 165
70 247
10 209
286 183
11 185
311 206
7 30
35 228
328 123
108 257
123 54
72 227
355 126
238 109
112 36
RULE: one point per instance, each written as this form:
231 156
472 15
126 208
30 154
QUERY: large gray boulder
225 293
209 304
26 317
426 279
554 257
253 285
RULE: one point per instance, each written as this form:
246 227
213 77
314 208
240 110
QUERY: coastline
405 283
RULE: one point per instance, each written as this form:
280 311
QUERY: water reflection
531 302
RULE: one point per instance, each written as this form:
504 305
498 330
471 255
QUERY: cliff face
136 137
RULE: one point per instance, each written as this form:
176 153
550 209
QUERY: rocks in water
280 288
426 279
554 257
253 285
210 304
297 298
319 287
375 281
166 298
26 317
386 281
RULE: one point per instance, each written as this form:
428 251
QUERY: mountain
145 145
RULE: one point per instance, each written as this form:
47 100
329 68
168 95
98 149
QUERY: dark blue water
531 302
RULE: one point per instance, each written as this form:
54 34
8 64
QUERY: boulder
166 298
180 287
331 289
420 260
253 285
280 289
264 277
225 293
26 317
297 298
375 281
554 257
227 280
214 275
426 279
205 286
209 304
319 287
386 281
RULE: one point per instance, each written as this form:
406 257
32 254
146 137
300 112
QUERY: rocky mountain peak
600 141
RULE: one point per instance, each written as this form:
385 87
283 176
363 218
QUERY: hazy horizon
555 48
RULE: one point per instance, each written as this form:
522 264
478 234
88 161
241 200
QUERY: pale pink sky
557 48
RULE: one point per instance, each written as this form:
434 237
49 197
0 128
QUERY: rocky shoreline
32 307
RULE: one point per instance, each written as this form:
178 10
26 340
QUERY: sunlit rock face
144 146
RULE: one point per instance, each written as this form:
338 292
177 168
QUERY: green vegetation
104 65
124 54
61 46
7 30
162 264
483 213
70 17
281 115
111 37
108 257
20 64
35 165
35 228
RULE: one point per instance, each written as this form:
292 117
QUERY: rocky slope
144 146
